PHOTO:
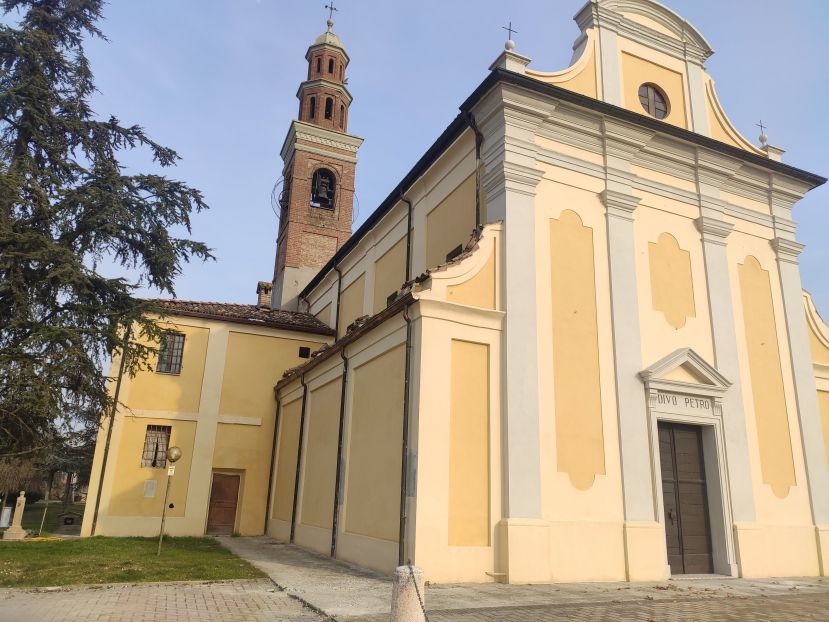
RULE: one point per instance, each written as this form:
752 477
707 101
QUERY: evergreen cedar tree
65 205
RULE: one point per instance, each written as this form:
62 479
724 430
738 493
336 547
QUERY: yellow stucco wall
581 77
479 290
324 315
820 352
766 378
637 71
389 274
585 528
372 502
450 223
823 402
286 460
671 283
253 364
128 495
578 404
174 392
469 501
672 289
243 450
351 303
320 456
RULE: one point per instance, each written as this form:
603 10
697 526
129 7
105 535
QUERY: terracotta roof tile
247 314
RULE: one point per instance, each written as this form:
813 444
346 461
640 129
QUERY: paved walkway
350 594
231 601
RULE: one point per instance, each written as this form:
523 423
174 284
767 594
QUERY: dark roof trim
517 79
373 322
449 135
458 125
238 320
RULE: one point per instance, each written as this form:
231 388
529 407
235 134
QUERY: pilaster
696 96
509 122
714 232
787 251
630 396
204 443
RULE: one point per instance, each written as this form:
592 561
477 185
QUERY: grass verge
118 560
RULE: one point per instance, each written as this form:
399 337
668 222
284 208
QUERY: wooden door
684 497
224 494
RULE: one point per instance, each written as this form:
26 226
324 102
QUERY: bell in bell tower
320 159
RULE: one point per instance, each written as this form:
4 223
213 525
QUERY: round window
654 101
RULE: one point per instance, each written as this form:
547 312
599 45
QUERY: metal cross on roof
510 30
764 140
331 8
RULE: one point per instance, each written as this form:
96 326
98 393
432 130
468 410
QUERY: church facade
571 344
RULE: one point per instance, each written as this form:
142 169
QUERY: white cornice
319 135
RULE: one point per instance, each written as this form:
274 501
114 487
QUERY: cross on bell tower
320 158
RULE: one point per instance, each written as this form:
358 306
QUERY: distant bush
33 497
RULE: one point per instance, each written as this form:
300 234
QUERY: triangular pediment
684 370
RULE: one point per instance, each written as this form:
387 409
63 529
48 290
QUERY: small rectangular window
169 356
156 443
304 352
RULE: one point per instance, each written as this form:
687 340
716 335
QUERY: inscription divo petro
681 403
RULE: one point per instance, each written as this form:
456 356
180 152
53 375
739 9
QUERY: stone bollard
406 605
16 531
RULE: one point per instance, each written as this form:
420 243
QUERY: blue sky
217 79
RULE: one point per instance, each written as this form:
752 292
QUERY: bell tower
320 158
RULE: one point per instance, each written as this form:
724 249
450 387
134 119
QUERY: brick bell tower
320 159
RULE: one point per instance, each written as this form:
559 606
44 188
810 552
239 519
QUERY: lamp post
173 454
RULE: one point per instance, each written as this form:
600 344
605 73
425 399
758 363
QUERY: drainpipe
337 483
339 295
408 238
109 429
404 469
404 466
273 460
299 454
479 139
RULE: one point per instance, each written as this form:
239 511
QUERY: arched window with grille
342 115
312 108
330 65
329 107
323 189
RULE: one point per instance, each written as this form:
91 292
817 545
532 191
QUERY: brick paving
755 609
232 601
260 600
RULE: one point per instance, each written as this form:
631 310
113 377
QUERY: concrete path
350 594
340 590
225 601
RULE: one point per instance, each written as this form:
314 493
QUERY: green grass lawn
118 560
33 514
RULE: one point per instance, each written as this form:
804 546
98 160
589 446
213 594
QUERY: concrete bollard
405 603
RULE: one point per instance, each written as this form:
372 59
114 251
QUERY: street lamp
173 454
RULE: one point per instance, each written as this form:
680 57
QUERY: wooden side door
224 495
685 501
